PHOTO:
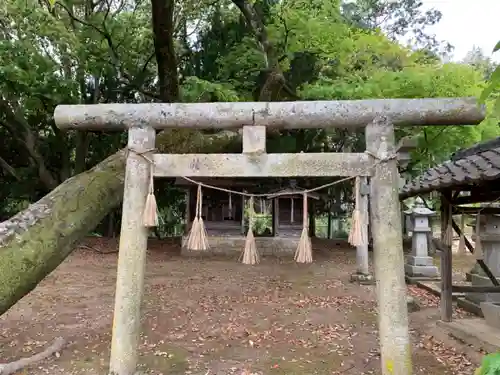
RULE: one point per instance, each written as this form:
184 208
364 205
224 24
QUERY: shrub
490 365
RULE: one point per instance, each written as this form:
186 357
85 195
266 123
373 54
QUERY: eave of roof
467 167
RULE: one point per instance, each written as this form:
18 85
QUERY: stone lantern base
477 298
421 267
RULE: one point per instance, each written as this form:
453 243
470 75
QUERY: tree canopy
82 51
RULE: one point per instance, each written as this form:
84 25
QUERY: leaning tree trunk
35 241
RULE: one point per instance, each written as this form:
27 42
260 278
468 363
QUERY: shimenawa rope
197 238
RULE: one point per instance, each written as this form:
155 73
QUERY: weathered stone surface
289 115
388 250
254 139
419 263
490 243
132 254
474 332
491 313
262 165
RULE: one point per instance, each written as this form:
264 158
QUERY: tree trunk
35 241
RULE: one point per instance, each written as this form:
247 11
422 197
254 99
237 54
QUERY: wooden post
443 221
388 250
446 301
132 255
446 284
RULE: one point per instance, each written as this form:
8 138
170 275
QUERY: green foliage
262 222
492 90
71 52
490 365
435 144
195 90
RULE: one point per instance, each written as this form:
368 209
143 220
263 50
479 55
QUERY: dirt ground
217 316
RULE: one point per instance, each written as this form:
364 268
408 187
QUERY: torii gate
379 163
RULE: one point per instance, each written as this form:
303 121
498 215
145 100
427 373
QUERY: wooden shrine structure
471 176
378 163
223 213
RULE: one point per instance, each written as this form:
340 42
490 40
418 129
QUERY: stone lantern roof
420 209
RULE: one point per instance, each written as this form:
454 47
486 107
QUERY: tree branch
24 134
14 367
9 169
275 81
123 76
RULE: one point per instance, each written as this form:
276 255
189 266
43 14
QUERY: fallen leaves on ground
427 299
457 362
218 316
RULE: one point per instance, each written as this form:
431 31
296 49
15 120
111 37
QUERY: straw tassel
197 239
303 254
150 214
250 254
461 242
478 248
356 237
230 209
291 210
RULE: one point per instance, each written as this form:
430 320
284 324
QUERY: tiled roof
471 166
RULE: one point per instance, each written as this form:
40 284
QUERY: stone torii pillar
378 117
363 275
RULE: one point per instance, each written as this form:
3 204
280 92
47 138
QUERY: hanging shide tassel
303 254
478 248
250 254
150 214
461 242
197 238
356 235
291 211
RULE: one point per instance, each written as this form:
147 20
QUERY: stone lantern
489 231
419 263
